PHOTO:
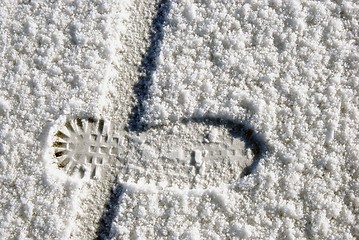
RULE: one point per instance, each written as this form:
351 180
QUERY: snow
56 58
287 69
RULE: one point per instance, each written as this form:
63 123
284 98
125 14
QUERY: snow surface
56 59
288 69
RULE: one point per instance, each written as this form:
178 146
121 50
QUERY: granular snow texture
289 69
56 59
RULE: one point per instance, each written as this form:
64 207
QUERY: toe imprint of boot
83 147
181 156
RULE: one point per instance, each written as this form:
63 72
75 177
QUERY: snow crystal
56 58
290 70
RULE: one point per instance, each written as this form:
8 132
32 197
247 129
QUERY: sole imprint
185 156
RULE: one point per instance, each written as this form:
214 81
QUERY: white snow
56 59
288 69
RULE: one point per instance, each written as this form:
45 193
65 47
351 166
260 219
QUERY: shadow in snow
110 212
240 129
148 66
